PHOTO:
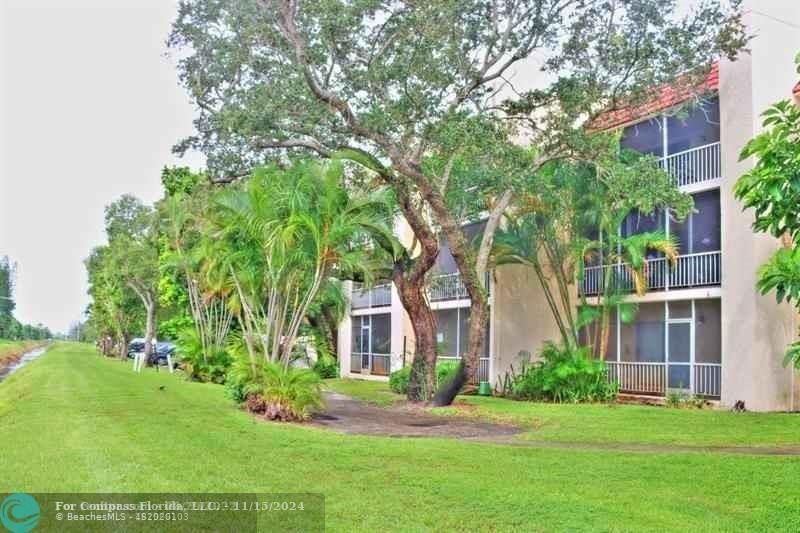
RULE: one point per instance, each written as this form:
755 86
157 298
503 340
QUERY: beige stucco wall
522 318
755 330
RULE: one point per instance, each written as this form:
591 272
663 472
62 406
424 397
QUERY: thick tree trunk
409 278
470 361
123 347
422 382
150 331
473 268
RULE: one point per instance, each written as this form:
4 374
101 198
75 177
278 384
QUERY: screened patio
669 346
371 350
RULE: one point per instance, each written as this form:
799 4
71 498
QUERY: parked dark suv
159 355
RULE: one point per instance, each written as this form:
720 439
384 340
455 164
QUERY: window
708 331
700 231
445 262
358 337
647 337
447 332
646 137
587 336
452 332
687 128
381 334
696 126
372 334
636 223
706 222
643 339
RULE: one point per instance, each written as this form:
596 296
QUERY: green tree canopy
409 88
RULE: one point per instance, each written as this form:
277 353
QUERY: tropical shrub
398 380
199 365
445 371
244 377
683 400
256 404
326 367
291 394
564 374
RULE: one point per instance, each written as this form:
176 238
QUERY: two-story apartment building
702 327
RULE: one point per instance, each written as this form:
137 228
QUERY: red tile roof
796 89
664 98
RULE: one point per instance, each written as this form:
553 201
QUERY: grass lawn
375 392
73 421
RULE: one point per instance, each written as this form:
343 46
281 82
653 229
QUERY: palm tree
623 258
282 235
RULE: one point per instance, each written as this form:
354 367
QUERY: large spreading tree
132 230
415 91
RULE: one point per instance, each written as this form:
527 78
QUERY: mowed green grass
608 424
73 421
374 392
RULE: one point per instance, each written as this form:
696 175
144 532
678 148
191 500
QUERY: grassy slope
624 424
72 421
13 349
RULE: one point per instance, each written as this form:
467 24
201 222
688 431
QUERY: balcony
449 287
440 288
692 270
377 296
694 166
650 379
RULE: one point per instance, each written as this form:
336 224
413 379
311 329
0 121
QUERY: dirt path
347 415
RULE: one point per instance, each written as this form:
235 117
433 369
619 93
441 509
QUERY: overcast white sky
90 110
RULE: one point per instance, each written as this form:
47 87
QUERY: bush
242 378
564 375
256 404
290 393
198 366
326 367
683 400
398 380
445 371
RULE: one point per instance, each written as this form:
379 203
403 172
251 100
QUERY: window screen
693 127
645 137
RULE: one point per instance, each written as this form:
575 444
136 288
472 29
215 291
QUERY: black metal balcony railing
691 270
